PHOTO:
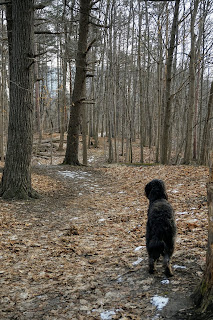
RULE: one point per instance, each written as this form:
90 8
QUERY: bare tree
167 114
16 179
191 105
71 156
206 129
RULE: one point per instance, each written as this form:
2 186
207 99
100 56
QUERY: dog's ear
148 188
164 189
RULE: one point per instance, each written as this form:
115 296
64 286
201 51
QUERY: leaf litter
79 251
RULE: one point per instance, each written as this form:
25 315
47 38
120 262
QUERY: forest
97 98
148 77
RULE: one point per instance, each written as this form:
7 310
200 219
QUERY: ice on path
179 267
166 281
139 248
107 315
75 175
184 212
159 302
137 262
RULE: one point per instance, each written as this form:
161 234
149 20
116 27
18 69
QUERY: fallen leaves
79 251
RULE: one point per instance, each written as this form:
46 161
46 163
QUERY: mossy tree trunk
16 179
203 295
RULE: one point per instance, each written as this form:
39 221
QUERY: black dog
161 227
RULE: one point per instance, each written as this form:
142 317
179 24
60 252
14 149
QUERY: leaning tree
16 178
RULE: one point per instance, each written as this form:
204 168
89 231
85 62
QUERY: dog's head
155 190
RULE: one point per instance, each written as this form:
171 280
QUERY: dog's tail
156 248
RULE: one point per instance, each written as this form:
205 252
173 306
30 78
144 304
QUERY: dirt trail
79 251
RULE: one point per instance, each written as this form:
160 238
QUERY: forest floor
79 251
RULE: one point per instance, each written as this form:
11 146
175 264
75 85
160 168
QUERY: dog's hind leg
167 266
151 265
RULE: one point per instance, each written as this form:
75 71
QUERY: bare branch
101 25
90 45
94 2
46 32
41 6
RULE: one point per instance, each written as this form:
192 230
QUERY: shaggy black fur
161 227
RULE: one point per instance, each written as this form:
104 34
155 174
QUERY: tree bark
140 76
203 295
206 128
64 68
16 179
190 114
71 156
167 114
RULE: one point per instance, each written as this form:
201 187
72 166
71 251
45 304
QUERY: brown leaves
79 252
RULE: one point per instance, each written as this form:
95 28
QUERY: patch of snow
184 212
74 218
101 220
137 261
174 191
75 175
14 237
99 213
179 267
24 295
120 279
159 302
166 281
139 248
192 220
107 315
91 159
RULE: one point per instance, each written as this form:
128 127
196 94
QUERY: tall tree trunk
191 106
159 81
2 89
37 99
167 114
71 156
64 67
140 76
16 179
